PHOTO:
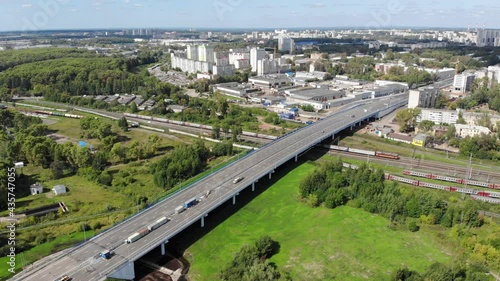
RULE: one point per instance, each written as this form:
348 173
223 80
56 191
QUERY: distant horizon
47 15
247 29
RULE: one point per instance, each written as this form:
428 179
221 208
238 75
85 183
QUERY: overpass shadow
176 247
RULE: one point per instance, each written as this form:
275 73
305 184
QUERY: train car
361 151
339 148
250 134
158 223
175 122
163 120
494 194
486 199
433 185
387 155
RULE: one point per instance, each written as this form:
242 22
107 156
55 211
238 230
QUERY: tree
118 153
426 125
133 107
407 119
57 169
123 124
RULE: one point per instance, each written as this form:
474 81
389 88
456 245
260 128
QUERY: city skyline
225 14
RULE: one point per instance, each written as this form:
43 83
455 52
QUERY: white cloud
26 6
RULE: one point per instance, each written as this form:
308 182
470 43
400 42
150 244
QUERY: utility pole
469 167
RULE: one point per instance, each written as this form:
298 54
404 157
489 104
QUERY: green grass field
316 244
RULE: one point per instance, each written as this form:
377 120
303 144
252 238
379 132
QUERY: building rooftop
421 137
311 93
400 137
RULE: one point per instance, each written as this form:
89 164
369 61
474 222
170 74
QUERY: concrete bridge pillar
253 186
234 199
296 158
163 247
270 175
351 128
126 272
203 221
333 136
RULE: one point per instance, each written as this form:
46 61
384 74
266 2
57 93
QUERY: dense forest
12 58
57 75
331 186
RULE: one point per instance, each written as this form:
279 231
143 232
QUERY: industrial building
236 89
269 81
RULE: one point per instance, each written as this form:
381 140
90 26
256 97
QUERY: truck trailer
136 236
179 209
190 203
158 223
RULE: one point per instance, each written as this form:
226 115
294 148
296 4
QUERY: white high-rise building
286 44
424 97
494 74
256 54
221 58
235 56
488 37
267 66
206 53
463 82
192 52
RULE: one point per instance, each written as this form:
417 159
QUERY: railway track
428 166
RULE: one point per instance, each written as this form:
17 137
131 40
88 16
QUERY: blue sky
104 14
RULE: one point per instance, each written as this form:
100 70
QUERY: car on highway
237 180
64 278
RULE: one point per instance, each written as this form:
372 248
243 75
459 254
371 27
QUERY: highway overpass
82 263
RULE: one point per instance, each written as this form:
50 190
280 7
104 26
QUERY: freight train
451 179
52 113
193 125
487 196
380 154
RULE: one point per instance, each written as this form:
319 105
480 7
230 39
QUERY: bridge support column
126 272
333 136
296 158
162 249
203 221
351 128
270 175
253 186
234 199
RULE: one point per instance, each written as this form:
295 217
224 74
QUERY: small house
36 188
59 189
